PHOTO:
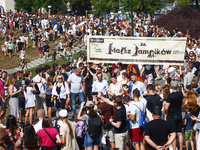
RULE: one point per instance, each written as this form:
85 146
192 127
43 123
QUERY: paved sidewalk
40 61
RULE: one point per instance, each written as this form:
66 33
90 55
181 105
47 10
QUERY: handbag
49 148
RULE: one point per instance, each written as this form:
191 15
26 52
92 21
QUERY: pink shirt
2 88
46 140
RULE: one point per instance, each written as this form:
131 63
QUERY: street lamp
101 17
132 17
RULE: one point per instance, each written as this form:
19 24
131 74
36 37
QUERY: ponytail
70 128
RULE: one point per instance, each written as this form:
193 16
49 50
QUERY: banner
137 50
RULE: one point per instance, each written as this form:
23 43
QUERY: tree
184 19
107 5
182 3
80 6
146 6
34 5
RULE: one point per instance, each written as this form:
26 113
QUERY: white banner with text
136 50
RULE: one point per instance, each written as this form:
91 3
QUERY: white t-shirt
76 83
38 126
136 111
22 39
41 84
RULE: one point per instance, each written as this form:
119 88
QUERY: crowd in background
141 106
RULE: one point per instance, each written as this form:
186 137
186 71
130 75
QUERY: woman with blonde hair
61 92
14 105
159 90
191 98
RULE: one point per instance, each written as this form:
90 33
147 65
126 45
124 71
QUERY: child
188 133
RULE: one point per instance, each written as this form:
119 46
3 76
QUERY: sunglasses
99 77
60 78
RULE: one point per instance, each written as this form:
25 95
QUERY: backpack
80 129
143 121
37 89
94 127
56 125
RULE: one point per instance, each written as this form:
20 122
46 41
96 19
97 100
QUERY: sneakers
1 125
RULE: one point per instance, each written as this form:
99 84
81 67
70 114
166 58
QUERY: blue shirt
138 85
188 125
100 86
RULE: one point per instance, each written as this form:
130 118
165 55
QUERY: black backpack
94 127
37 89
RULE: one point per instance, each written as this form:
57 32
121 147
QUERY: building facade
8 5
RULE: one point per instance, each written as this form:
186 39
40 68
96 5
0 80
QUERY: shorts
3 107
110 134
79 40
176 121
121 139
48 101
3 49
188 135
89 141
40 51
136 135
46 53
21 103
10 50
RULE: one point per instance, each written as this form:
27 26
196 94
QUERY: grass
31 53
59 62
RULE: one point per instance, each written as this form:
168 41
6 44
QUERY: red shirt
2 88
11 34
46 140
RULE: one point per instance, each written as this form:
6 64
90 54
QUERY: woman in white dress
30 100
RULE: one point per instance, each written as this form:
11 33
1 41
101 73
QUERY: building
8 5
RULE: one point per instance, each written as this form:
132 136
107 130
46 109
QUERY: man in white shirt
100 85
135 84
77 83
40 115
41 98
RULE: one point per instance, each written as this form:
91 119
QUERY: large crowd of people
84 105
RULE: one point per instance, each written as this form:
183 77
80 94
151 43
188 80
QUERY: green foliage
182 3
146 6
33 5
80 5
107 5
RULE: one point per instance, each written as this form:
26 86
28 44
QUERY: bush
183 19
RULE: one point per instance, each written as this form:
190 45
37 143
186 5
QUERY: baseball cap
63 113
156 110
89 104
174 84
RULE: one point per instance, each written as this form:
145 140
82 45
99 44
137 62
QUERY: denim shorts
89 141
2 105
